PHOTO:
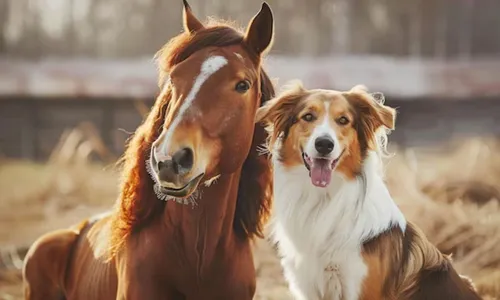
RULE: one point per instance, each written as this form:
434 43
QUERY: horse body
90 274
202 266
205 265
198 146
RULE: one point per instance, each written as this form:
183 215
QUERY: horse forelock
137 204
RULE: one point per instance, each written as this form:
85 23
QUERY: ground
452 193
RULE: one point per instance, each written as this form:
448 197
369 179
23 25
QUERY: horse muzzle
175 174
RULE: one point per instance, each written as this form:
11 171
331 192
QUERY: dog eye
342 121
242 86
308 117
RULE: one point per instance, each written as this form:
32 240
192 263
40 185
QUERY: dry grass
451 192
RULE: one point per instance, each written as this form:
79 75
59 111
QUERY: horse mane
254 201
137 204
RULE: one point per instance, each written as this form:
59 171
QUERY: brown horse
198 146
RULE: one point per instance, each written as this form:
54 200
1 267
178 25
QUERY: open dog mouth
184 191
320 168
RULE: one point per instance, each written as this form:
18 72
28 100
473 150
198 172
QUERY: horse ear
189 21
259 35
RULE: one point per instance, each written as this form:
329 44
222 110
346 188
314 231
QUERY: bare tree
117 28
4 10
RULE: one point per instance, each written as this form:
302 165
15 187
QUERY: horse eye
308 117
242 86
342 121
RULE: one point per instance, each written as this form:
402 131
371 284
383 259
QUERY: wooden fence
425 55
31 127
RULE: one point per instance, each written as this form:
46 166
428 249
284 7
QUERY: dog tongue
321 172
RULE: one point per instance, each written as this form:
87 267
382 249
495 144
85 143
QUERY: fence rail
137 78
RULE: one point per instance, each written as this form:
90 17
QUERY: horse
196 189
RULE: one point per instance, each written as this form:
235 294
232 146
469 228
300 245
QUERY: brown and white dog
339 232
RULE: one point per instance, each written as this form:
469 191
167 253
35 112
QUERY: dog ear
387 113
278 114
371 107
387 116
282 105
263 112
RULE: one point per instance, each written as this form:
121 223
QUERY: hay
451 192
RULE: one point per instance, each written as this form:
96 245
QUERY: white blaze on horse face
208 68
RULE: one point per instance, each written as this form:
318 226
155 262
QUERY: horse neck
211 217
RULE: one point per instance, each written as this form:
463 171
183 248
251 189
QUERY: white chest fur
320 231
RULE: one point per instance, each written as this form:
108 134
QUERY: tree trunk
4 11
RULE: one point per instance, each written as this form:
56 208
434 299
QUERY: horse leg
45 265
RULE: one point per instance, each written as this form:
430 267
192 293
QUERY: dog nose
180 164
324 145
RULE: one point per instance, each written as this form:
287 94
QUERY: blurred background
78 76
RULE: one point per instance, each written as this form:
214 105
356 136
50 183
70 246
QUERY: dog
339 233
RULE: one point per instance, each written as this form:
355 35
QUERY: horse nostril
165 169
162 165
183 160
324 145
